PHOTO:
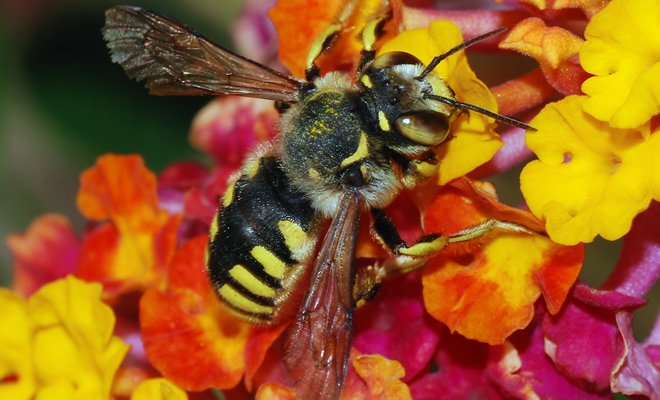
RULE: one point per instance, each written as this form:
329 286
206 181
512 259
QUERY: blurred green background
63 103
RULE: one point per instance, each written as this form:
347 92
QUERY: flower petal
396 326
17 379
158 389
275 391
522 370
74 349
189 337
230 127
297 24
489 292
635 275
130 250
589 7
625 91
46 252
456 372
590 179
382 377
583 342
118 187
554 48
638 372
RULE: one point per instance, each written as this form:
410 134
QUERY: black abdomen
260 239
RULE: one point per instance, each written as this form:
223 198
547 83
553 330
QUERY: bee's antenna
466 106
436 60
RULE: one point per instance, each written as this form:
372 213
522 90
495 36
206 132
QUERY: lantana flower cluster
124 308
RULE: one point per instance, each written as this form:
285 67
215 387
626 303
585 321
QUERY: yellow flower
58 344
474 141
16 379
158 389
622 50
590 179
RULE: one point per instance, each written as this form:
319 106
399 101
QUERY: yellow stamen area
272 265
231 296
251 283
361 152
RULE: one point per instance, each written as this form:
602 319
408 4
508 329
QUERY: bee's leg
409 257
367 283
320 45
323 42
370 35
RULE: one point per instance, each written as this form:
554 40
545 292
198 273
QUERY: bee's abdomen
259 239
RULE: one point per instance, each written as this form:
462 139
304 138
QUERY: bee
345 146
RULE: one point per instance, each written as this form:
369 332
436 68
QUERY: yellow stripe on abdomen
272 265
251 282
236 299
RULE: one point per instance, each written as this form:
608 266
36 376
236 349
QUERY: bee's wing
175 60
319 344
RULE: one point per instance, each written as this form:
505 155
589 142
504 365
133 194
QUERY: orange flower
554 48
375 378
134 239
380 379
487 293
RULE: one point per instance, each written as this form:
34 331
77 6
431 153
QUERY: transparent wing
319 343
175 60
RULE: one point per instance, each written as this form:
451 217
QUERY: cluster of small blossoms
124 309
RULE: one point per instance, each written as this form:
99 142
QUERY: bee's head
416 103
410 120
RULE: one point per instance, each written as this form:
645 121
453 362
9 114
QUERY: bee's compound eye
424 127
